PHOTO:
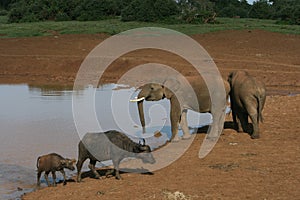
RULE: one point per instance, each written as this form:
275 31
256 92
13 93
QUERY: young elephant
52 163
247 97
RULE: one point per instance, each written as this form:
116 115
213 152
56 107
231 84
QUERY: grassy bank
114 26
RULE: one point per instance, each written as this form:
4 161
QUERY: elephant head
151 92
232 76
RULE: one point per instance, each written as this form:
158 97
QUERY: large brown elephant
247 96
181 103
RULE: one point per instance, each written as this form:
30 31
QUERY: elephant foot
239 129
176 139
212 138
254 136
186 136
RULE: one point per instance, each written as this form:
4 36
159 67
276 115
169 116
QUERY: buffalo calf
52 163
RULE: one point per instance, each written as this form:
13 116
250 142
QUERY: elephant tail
261 101
260 117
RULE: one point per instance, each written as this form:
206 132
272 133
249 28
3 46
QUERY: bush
89 10
287 11
39 10
232 11
196 11
149 10
3 12
261 9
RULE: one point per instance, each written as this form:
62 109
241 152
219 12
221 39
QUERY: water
39 120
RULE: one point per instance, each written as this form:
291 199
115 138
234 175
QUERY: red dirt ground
238 167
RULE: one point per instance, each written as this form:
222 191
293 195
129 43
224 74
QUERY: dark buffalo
52 163
110 145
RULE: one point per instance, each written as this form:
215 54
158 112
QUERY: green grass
114 26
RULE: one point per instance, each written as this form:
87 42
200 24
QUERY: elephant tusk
137 100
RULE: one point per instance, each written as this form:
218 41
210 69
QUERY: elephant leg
236 121
254 117
175 118
174 129
243 122
216 128
184 125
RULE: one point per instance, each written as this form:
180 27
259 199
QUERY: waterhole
37 120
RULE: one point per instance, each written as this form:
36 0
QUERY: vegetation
43 17
167 11
114 26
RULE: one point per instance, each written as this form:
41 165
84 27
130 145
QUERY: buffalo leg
79 166
64 174
109 172
54 178
38 178
46 177
117 169
93 168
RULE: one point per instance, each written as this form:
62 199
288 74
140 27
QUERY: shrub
287 11
3 12
96 9
149 10
232 11
39 10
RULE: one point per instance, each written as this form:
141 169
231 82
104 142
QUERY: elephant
180 104
247 97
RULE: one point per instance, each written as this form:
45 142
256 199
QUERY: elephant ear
171 85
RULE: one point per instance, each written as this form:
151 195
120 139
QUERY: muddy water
39 120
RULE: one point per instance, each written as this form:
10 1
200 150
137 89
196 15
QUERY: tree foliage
89 10
261 9
149 10
287 11
196 11
38 10
180 11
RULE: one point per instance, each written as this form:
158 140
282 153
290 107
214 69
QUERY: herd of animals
247 98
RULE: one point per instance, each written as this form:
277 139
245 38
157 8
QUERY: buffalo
52 163
110 145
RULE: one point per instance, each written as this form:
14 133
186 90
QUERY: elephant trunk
141 114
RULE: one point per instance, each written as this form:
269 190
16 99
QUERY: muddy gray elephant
247 96
180 104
